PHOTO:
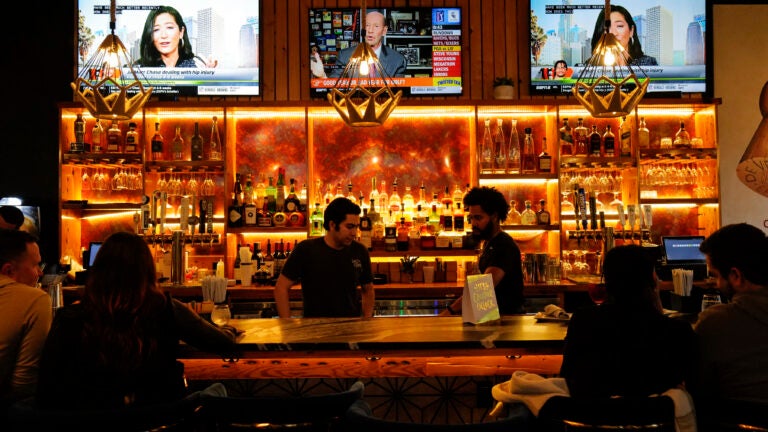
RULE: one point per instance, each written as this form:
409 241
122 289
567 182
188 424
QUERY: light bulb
364 67
609 59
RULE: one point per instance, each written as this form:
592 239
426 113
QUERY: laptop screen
93 249
683 249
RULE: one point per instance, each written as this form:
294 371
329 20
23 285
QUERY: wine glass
209 187
220 314
597 292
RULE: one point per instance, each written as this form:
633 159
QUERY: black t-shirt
329 277
501 251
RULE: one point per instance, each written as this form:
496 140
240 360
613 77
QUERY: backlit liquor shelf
415 147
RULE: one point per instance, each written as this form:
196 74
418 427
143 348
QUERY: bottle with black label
196 144
542 216
235 211
79 145
609 142
114 138
157 144
366 230
595 142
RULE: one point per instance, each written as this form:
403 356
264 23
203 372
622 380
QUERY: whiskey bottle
293 207
157 144
177 145
131 139
402 238
97 135
366 230
566 139
643 135
264 216
250 211
235 211
269 261
528 159
513 217
196 144
625 138
595 142
513 150
528 217
114 138
279 257
580 138
545 159
215 143
485 155
609 142
79 129
542 216
682 137
395 203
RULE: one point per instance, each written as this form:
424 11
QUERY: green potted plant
503 88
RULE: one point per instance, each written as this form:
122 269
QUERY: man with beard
733 337
487 209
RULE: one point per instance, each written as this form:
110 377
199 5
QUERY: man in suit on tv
375 28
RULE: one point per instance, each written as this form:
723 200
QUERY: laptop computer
683 252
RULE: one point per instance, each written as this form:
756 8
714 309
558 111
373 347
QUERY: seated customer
626 346
118 347
733 337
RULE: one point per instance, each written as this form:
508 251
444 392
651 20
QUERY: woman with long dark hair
165 42
118 346
623 27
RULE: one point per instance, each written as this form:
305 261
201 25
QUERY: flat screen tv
428 37
676 34
220 32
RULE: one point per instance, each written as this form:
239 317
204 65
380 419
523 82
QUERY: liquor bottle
595 142
279 218
447 198
458 218
328 197
513 217
271 197
528 216
177 145
366 230
446 219
97 135
351 195
250 211
113 138
609 142
374 195
269 262
293 210
80 130
131 139
257 257
383 202
513 150
280 188
260 191
545 159
528 159
566 139
625 138
264 216
433 222
279 257
402 236
339 193
235 211
157 144
304 193
377 221
500 147
215 144
196 144
394 200
458 194
485 155
682 137
237 273
408 205
580 138
422 197
542 216
643 135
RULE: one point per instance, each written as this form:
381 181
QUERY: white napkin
531 389
682 281
555 311
214 289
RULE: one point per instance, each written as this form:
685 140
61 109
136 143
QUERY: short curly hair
489 199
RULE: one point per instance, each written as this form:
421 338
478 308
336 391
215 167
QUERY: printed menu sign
479 300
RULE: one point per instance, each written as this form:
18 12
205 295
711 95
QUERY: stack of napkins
682 281
214 289
555 311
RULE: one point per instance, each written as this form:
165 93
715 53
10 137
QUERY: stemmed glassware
209 187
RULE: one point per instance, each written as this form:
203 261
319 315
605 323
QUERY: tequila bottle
682 137
528 159
580 138
528 217
513 150
514 216
500 147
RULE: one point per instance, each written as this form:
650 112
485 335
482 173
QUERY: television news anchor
165 42
624 29
375 29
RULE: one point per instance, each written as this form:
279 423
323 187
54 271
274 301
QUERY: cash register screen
683 249
93 249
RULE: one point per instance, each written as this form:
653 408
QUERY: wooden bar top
400 332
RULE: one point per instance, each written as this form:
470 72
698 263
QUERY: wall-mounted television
674 35
430 39
223 35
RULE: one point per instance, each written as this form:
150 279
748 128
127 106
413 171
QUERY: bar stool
562 413
308 413
360 417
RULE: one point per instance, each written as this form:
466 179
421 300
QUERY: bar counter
385 347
